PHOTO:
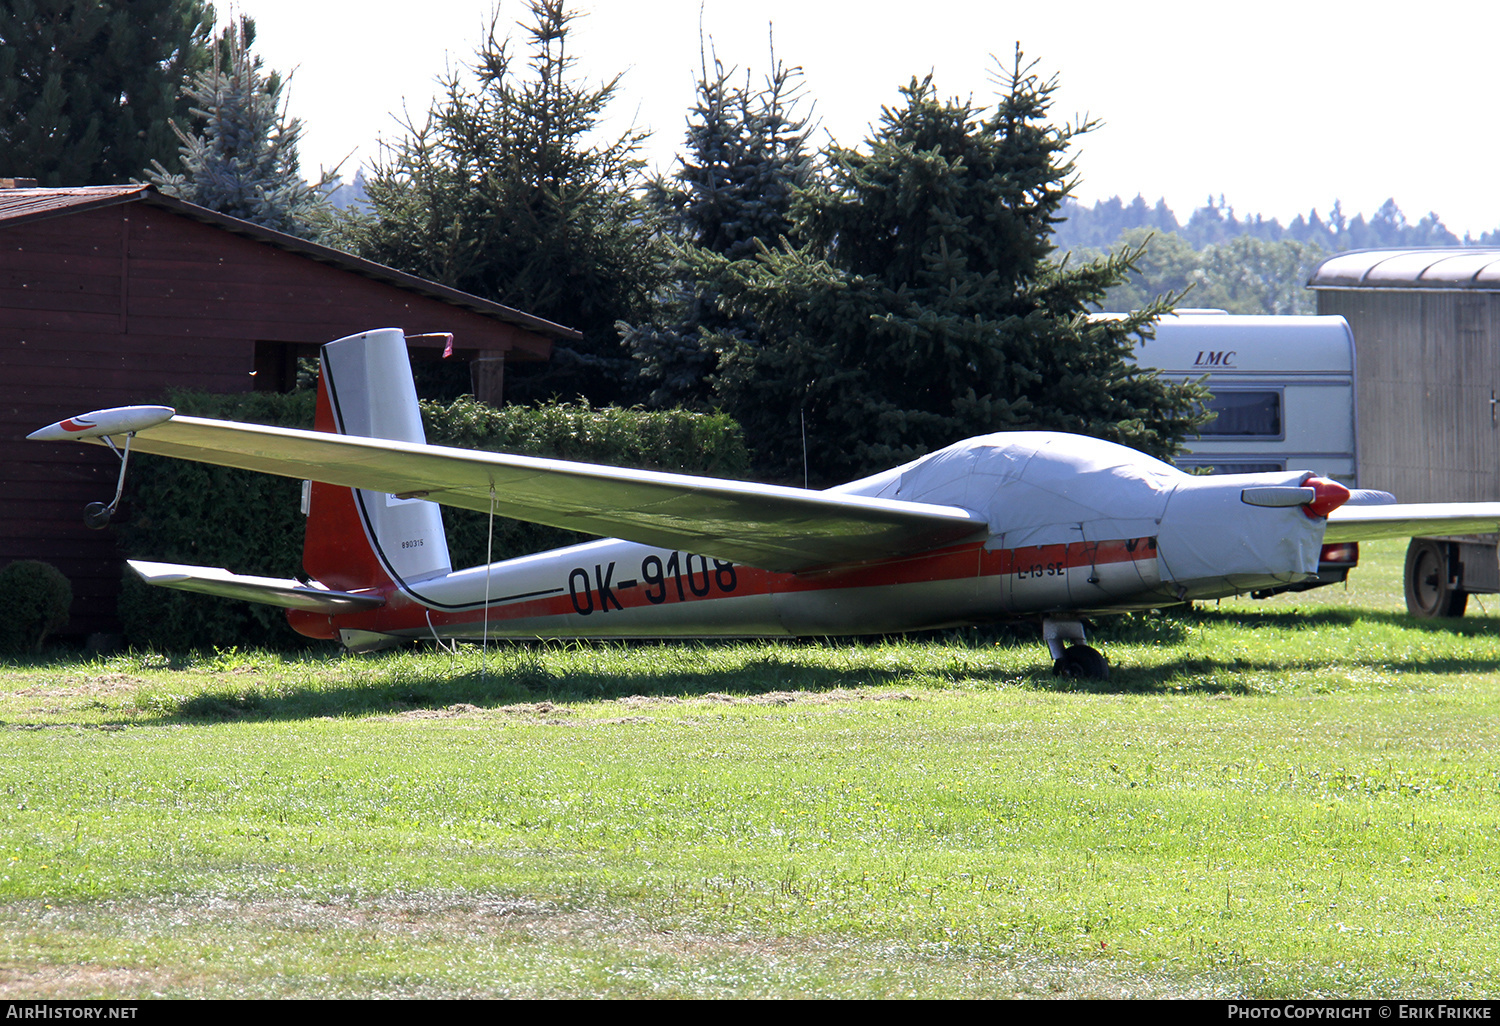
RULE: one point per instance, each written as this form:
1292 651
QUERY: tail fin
358 539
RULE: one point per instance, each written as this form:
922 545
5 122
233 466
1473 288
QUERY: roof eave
361 266
109 196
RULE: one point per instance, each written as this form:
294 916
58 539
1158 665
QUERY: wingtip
120 420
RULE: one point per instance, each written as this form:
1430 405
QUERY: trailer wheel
1429 589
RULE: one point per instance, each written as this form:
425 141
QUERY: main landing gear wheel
1080 662
1429 585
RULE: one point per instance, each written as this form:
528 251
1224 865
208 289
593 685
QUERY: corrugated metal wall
1428 367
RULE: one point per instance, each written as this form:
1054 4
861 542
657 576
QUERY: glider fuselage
1089 527
622 589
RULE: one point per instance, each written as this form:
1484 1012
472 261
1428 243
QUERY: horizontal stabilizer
1411 520
767 526
289 594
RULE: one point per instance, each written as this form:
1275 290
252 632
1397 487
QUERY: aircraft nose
1327 496
1234 533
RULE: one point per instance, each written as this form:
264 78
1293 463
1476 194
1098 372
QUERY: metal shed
1426 326
1426 323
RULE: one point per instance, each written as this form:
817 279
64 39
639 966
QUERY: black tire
1429 590
96 516
1079 662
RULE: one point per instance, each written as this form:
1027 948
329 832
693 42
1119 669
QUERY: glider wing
767 526
1411 520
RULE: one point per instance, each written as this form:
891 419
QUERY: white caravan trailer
1283 389
1284 392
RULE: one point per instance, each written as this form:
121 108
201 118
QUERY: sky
1279 107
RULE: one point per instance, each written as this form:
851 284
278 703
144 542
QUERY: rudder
357 539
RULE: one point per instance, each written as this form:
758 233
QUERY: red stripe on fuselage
655 578
1000 562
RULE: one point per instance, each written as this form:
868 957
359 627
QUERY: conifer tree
87 86
920 305
241 159
746 157
732 194
505 192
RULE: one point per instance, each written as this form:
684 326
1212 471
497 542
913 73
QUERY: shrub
35 599
671 440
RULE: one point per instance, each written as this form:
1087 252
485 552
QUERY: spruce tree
505 192
87 87
746 156
732 193
241 159
919 305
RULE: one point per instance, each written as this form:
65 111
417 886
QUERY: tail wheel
1429 583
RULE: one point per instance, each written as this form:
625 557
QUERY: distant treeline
1215 223
1250 265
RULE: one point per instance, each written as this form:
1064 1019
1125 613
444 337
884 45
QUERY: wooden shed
110 295
1426 326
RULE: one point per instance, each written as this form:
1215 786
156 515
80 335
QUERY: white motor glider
1027 525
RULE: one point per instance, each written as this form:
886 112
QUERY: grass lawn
1291 798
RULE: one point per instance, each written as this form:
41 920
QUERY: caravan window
1241 414
1232 466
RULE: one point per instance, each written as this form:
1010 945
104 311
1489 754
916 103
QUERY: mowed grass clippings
1293 798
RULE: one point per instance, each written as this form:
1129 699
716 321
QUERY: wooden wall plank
1427 362
112 306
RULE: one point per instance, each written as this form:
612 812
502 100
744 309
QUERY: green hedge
181 512
675 441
